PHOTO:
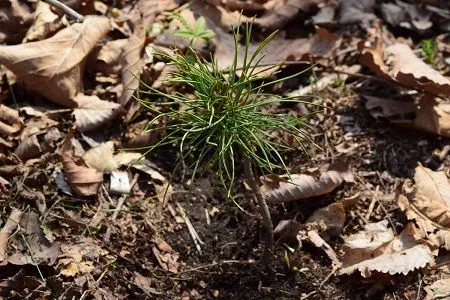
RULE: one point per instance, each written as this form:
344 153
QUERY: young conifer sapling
222 122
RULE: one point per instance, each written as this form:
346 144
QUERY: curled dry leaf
304 186
431 114
45 22
53 67
399 63
377 249
427 202
83 180
92 112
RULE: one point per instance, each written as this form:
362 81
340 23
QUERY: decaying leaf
53 67
399 63
92 113
430 114
45 22
83 180
427 202
304 186
166 256
34 247
76 258
377 249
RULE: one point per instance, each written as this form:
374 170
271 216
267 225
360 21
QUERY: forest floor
81 219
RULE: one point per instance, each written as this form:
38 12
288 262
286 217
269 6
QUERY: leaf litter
119 232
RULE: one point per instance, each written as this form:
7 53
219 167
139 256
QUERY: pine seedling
223 122
193 33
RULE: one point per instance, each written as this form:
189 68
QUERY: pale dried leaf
108 59
438 289
53 67
428 200
83 180
302 186
45 23
92 112
392 255
399 63
101 158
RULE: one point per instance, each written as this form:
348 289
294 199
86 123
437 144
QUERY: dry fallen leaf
101 158
329 219
304 186
280 12
356 11
107 60
45 23
83 180
431 114
35 248
92 112
399 63
427 202
53 67
377 249
131 59
320 45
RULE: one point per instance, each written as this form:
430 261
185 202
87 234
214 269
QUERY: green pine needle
224 120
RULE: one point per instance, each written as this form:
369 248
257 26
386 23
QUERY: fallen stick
64 8
7 230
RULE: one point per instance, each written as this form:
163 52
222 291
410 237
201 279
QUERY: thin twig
64 8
